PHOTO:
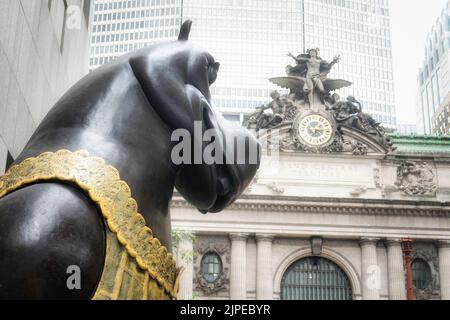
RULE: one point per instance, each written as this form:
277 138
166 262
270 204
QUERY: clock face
315 130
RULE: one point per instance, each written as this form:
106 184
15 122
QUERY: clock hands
316 129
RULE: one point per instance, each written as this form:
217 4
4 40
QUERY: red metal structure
407 249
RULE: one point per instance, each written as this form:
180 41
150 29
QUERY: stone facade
44 49
359 205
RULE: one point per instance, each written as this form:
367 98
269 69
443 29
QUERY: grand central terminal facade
325 220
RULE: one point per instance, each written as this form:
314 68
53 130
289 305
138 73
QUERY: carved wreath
223 280
416 179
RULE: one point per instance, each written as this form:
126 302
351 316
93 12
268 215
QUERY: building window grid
371 56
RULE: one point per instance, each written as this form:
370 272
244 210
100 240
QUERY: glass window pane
421 274
315 278
211 266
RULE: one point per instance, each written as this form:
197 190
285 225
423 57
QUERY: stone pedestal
264 276
238 270
370 271
444 268
184 258
396 270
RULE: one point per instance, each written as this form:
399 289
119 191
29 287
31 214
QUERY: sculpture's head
176 77
313 53
335 97
275 95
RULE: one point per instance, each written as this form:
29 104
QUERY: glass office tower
121 26
434 75
250 38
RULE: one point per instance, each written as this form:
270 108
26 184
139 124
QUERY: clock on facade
315 130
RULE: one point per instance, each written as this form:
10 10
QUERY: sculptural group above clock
311 117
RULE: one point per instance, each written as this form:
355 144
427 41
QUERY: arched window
315 278
211 266
421 274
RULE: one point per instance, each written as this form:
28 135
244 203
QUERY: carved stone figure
313 68
308 78
262 120
344 110
416 179
92 187
349 113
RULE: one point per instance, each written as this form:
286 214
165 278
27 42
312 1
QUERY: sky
411 20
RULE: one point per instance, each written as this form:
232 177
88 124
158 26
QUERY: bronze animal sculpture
63 204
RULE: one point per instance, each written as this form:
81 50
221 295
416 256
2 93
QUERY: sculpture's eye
212 72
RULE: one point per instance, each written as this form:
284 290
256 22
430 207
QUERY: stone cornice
334 206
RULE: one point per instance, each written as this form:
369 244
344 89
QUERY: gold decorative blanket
137 265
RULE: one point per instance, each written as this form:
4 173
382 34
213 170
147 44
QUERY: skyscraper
44 50
251 39
434 76
121 26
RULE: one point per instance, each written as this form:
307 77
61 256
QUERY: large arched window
421 274
211 266
315 278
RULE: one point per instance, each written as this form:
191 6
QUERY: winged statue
310 74
296 84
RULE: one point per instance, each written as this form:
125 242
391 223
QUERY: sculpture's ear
185 30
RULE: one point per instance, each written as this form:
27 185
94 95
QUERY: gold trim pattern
113 196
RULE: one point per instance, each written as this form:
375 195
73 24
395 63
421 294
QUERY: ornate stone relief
339 143
222 249
272 186
432 291
416 179
355 147
275 188
378 182
358 191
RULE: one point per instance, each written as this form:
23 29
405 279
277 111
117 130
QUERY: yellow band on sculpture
113 196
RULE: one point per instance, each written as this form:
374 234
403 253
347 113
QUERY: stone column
370 271
238 270
185 252
444 268
264 276
396 269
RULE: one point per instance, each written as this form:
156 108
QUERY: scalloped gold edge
165 273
